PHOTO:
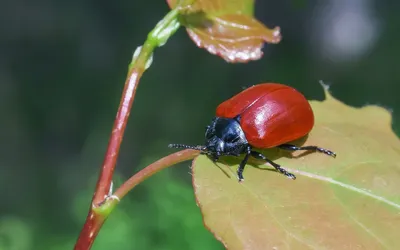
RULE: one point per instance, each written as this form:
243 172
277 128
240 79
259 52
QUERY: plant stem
153 168
156 38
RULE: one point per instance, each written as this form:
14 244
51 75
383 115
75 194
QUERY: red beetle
263 116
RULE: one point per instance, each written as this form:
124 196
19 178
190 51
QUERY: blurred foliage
62 68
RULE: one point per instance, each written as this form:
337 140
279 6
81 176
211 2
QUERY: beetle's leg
258 155
313 148
216 156
243 164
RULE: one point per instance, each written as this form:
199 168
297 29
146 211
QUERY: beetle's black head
224 136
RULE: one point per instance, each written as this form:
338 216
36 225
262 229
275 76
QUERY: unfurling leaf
348 202
226 28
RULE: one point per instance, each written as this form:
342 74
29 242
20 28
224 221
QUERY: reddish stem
153 168
96 217
94 221
121 120
89 231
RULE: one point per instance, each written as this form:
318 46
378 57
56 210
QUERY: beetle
265 115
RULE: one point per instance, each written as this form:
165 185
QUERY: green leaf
226 28
351 202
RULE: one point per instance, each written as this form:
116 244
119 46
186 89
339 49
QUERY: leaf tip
276 35
326 88
324 85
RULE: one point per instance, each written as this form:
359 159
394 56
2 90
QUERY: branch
153 168
142 58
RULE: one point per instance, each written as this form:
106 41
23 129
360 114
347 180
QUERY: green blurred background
62 69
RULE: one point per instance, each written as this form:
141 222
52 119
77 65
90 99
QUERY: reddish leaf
351 202
226 28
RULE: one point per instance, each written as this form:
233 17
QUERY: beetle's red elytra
271 114
263 116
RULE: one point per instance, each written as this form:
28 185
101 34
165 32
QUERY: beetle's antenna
198 147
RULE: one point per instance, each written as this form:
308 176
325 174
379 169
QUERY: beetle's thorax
224 136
